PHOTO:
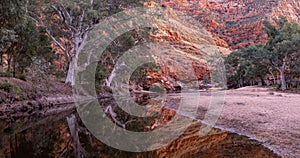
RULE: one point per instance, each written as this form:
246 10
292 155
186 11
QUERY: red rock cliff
236 23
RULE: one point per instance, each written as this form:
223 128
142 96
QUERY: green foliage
283 49
246 66
217 68
12 13
5 74
34 47
8 38
122 44
283 41
68 22
280 54
297 90
60 74
205 79
6 87
21 40
22 77
139 75
14 91
27 45
66 19
100 76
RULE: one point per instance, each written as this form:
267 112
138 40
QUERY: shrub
5 74
60 74
6 86
22 77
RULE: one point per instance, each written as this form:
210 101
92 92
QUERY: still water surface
37 136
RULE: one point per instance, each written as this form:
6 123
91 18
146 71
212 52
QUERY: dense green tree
34 47
22 42
246 66
283 46
8 38
11 17
280 55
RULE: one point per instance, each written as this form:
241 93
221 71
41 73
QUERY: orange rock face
237 23
227 25
189 47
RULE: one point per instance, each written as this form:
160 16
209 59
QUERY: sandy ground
270 117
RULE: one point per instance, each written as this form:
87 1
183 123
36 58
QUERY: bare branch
81 20
68 14
85 35
113 116
62 16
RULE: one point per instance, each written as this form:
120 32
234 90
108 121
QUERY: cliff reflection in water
51 137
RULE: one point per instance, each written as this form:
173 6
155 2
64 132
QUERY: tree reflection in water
64 135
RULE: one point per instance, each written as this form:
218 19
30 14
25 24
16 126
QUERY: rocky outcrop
190 46
218 24
236 23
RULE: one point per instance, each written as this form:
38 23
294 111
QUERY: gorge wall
232 24
236 23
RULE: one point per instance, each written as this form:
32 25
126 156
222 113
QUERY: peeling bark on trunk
70 73
77 45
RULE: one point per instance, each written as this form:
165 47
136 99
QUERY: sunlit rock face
236 23
190 48
223 23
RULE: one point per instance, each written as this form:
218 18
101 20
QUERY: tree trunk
77 44
278 81
282 77
73 60
1 62
14 65
8 63
71 73
274 80
263 83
